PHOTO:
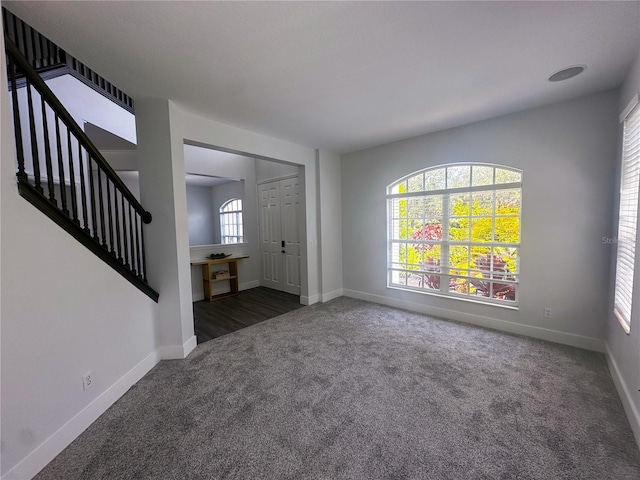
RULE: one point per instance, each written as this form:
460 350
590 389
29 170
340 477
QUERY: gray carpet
354 390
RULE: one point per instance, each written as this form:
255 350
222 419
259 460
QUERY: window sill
452 297
625 326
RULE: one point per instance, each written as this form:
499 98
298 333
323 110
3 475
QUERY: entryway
214 319
280 215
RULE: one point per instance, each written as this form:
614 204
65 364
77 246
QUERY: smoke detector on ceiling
567 73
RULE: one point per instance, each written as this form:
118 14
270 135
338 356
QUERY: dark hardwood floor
214 319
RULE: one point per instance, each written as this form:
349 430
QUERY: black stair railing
51 61
62 173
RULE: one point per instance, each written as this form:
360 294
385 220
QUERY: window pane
481 229
433 207
459 177
482 176
435 179
415 207
506 260
430 256
399 188
507 230
480 259
459 229
458 285
459 204
432 282
504 291
416 184
459 256
508 202
507 176
482 203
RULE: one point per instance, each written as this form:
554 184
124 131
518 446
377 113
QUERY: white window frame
627 215
231 224
444 271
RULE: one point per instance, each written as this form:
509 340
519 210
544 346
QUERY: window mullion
444 247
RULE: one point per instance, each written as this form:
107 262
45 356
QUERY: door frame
299 224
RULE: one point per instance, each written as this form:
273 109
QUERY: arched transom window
454 230
231 221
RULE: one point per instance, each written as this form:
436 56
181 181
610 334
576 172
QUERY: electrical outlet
86 380
547 312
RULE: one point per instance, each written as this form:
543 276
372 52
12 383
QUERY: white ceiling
346 75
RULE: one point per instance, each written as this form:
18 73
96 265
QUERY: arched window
454 230
231 221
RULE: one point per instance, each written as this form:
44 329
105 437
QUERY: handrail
51 61
71 124
63 174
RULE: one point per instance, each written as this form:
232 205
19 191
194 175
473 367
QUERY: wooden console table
208 280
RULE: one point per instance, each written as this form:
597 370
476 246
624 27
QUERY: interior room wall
624 350
330 187
75 315
202 217
567 153
205 161
197 130
268 170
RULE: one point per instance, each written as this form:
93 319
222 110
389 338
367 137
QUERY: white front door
270 233
280 211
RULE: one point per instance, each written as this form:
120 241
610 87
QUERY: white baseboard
178 352
196 297
331 295
309 300
625 395
248 285
56 443
564 338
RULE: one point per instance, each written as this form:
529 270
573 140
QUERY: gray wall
268 170
567 152
202 216
623 349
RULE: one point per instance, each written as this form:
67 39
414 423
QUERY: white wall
330 213
267 170
624 350
198 130
567 152
163 193
63 313
87 105
205 161
201 216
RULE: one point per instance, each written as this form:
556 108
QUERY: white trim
630 106
513 306
196 297
248 285
309 300
624 393
555 336
56 443
277 179
175 352
331 295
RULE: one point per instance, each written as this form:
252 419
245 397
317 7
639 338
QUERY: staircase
50 61
59 170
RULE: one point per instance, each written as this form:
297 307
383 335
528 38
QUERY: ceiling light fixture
567 73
